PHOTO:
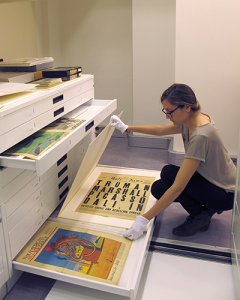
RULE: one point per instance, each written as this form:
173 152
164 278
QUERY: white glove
116 122
137 228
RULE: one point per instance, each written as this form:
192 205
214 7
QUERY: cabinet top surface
11 103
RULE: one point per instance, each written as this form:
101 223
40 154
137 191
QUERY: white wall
153 57
207 58
18 30
97 35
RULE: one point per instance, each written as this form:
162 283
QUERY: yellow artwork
117 195
77 251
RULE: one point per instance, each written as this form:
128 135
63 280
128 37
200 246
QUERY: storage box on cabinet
21 116
93 113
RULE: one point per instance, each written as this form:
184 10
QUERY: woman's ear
187 108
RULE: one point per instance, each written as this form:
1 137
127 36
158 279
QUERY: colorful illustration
77 251
118 195
64 124
41 141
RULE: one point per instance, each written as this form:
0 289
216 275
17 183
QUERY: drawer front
4 275
8 175
25 229
28 203
16 185
16 135
62 109
13 120
93 114
19 198
39 102
21 132
61 98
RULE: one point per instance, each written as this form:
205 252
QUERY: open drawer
130 270
91 115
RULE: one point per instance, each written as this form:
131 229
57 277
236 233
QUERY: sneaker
193 224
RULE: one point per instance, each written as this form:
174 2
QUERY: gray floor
118 153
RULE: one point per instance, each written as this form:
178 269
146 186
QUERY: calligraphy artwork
39 142
77 251
117 195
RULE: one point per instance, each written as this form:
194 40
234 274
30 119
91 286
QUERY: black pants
198 195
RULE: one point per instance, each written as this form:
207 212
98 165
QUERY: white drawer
8 175
62 109
16 217
51 201
17 109
4 274
62 97
16 185
93 112
16 119
41 203
25 229
22 131
130 276
20 197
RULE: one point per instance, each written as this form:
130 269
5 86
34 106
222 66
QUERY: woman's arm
147 129
154 129
186 171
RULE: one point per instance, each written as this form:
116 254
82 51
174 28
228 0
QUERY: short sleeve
197 148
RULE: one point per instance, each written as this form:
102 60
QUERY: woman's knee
169 173
158 189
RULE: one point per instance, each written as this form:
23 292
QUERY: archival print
77 251
117 195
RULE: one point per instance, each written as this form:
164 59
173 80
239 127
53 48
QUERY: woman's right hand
116 122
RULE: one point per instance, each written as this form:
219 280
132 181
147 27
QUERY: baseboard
174 158
197 251
148 142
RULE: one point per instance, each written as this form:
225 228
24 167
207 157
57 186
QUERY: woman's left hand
137 229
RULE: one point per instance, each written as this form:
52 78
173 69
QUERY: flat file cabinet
31 189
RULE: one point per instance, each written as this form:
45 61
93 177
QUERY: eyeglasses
170 112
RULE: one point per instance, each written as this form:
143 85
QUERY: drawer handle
57 99
58 111
61 160
62 171
90 125
64 193
61 184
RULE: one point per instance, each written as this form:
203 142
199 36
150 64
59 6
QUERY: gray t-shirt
215 163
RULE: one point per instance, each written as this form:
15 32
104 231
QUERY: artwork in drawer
117 195
41 141
77 251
